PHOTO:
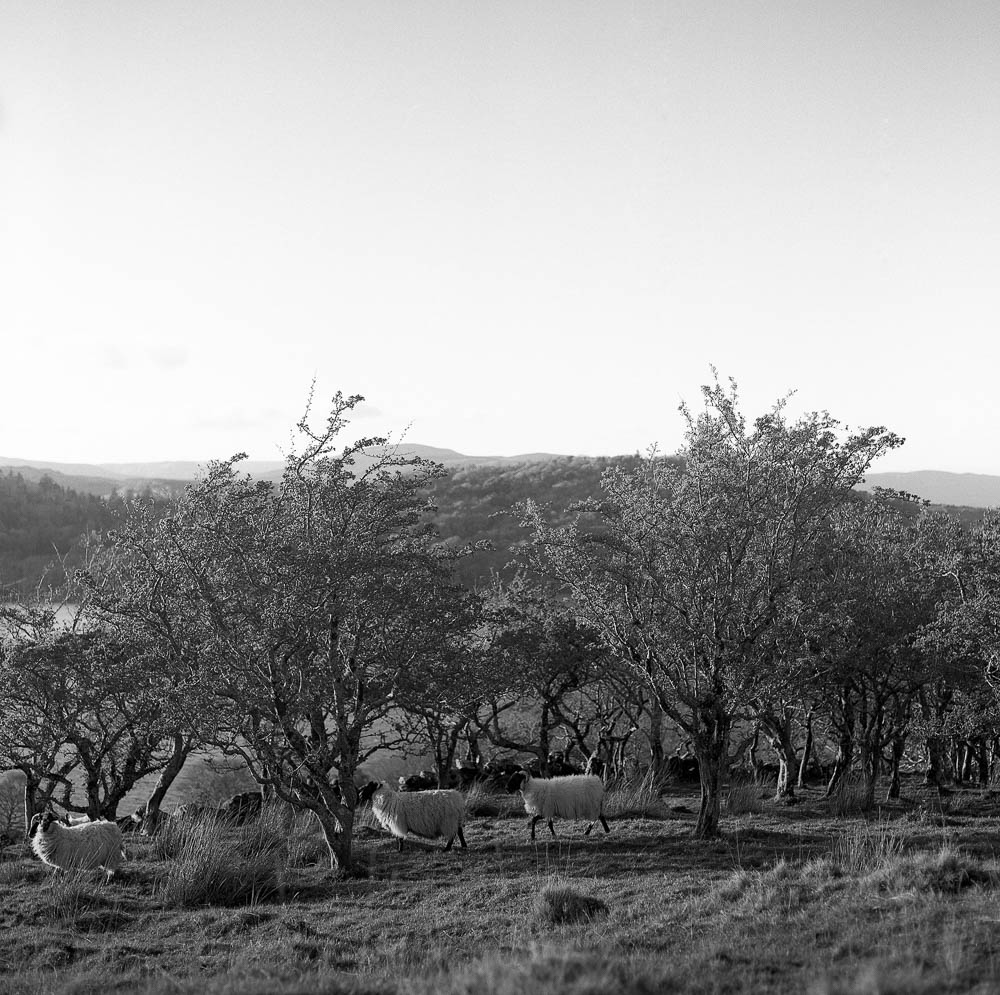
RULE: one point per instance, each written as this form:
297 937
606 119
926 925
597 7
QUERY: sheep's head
40 823
517 782
366 793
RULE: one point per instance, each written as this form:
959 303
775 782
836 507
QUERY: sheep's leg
399 844
552 829
604 822
447 845
532 826
586 832
461 839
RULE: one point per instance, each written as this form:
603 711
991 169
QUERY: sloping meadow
792 899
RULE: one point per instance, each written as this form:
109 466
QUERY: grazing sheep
429 814
85 847
578 796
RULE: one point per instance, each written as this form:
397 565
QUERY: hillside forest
734 605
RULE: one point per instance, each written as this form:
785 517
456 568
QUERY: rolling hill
973 490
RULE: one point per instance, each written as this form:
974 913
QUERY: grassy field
793 899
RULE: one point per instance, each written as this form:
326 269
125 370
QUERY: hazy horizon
513 227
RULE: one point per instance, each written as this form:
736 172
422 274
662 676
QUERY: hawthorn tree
130 586
688 567
308 602
870 598
29 743
82 701
965 635
542 659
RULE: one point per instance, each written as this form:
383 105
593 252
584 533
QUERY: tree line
738 589
42 529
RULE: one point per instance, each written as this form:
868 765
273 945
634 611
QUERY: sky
513 226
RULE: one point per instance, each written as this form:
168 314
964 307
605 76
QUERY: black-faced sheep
85 847
579 796
429 814
418 782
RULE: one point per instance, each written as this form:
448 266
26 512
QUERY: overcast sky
513 226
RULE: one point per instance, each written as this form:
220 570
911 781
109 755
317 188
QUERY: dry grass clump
743 799
214 865
483 803
559 904
946 871
785 885
853 795
81 900
866 847
634 798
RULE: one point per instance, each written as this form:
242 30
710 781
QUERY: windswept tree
129 587
869 599
85 701
542 658
29 742
964 634
689 567
308 602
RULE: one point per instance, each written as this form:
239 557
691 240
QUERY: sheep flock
413 807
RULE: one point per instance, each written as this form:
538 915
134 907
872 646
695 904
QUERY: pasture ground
793 899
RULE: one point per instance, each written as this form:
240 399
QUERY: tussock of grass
558 904
743 799
482 803
80 899
852 796
634 799
783 886
867 847
946 871
213 865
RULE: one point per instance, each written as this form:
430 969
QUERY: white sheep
85 847
575 796
429 814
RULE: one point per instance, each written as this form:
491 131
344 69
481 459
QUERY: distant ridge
970 490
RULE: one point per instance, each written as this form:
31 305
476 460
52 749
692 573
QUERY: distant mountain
87 483
972 490
167 476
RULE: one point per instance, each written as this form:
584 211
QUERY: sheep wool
85 847
575 796
429 814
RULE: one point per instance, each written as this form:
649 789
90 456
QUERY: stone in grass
558 904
